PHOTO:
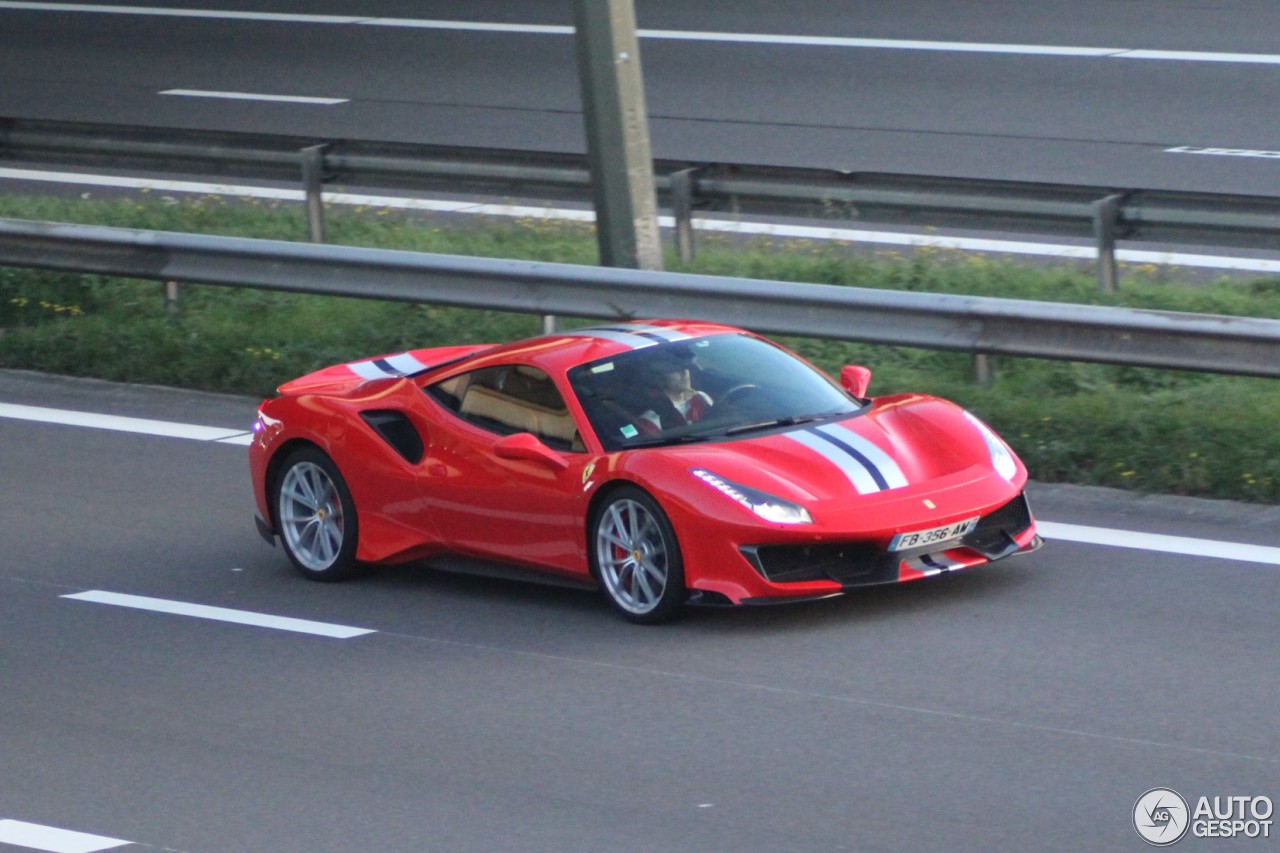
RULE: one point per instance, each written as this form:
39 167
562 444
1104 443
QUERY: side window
449 392
511 399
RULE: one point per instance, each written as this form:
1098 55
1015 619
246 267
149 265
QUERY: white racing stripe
53 840
882 462
403 364
669 35
221 614
803 232
859 475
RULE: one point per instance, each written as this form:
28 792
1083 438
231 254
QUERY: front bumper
265 530
806 570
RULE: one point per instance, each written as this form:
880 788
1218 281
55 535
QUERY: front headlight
1001 456
767 506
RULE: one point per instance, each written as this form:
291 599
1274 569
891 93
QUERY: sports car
665 462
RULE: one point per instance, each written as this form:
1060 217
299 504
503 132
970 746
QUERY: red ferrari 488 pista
666 462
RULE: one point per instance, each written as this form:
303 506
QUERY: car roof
560 351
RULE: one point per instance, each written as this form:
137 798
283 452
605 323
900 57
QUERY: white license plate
933 536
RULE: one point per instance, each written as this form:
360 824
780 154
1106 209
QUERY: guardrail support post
1106 215
982 372
313 184
171 293
682 211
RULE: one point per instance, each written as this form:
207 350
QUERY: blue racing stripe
861 459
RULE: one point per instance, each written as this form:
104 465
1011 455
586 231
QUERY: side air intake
396 430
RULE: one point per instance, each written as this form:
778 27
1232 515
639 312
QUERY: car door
524 505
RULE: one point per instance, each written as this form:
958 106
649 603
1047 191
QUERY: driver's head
670 368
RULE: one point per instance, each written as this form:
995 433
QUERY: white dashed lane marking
118 423
255 96
1160 543
53 840
221 614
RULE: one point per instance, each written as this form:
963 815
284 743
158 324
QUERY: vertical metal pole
982 372
682 210
171 292
617 129
313 184
1106 213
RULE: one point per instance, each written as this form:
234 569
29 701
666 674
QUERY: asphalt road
1022 706
990 95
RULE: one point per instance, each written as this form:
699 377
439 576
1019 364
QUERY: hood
902 447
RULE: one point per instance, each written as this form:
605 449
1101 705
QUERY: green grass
1142 429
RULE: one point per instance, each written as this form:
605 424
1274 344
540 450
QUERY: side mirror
856 379
526 447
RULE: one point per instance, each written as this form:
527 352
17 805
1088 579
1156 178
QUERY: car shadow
563 600
885 603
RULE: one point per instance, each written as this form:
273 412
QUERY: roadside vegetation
1141 429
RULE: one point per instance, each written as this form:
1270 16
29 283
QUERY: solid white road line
221 614
804 232
254 96
117 423
52 839
156 11
681 35
1051 530
1160 543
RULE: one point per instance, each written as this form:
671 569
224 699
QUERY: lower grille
858 563
846 563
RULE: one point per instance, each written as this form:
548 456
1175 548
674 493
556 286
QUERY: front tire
636 558
316 516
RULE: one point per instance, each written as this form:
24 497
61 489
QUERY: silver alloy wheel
310 514
631 553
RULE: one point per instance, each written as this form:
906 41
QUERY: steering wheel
737 394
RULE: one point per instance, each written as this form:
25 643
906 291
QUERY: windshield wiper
779 422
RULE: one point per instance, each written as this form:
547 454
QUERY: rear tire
636 558
316 517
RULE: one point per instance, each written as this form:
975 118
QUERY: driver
674 401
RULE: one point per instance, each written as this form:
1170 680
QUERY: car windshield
701 389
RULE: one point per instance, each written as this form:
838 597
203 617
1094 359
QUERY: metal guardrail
1107 214
1219 344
